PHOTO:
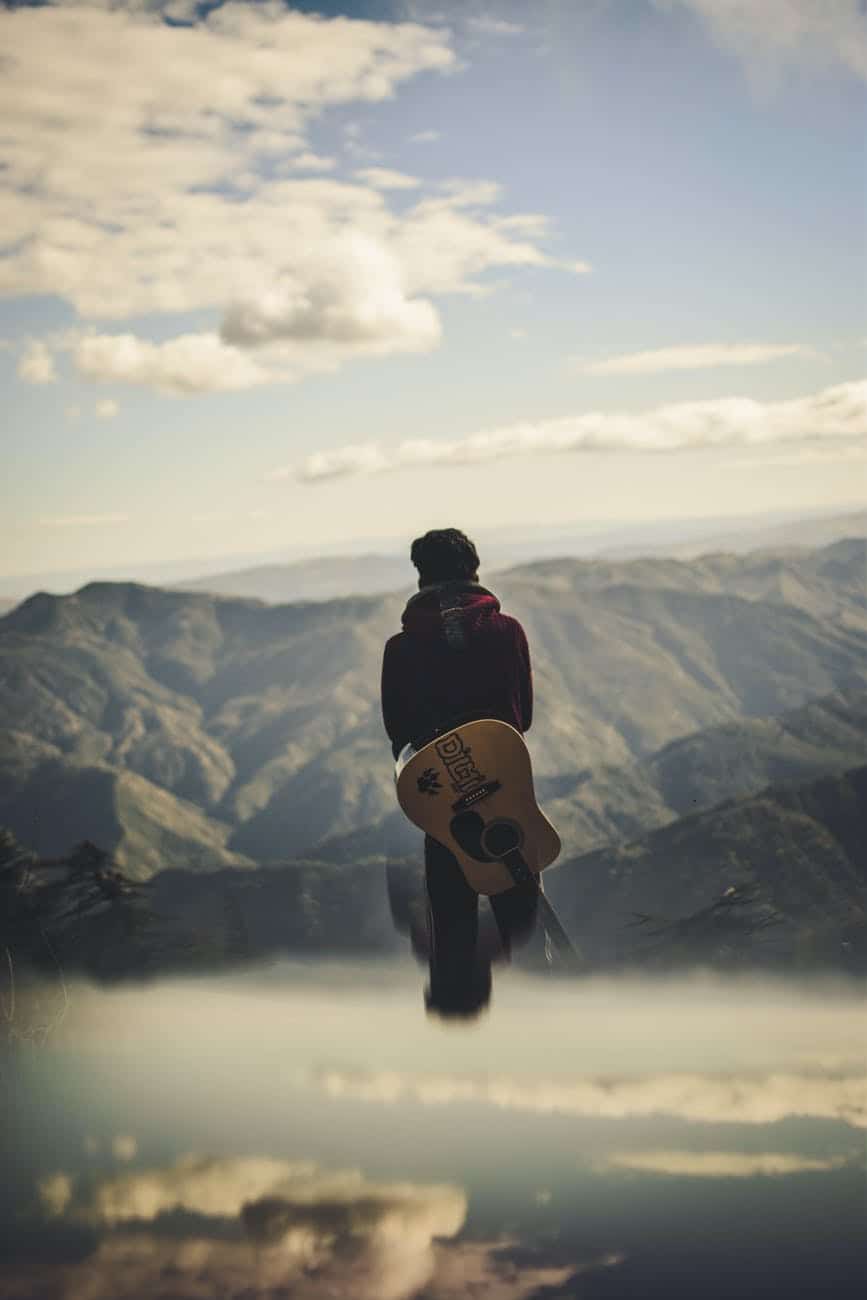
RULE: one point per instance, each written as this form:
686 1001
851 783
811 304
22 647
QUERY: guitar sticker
429 782
458 759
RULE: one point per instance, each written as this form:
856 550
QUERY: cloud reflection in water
263 1228
710 1098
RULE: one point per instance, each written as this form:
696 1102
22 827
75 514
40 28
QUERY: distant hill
807 532
802 850
294 574
335 576
322 578
265 718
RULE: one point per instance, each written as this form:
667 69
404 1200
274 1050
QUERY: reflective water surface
306 1131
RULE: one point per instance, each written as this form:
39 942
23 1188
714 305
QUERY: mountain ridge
802 849
266 717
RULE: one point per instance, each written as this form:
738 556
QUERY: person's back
458 658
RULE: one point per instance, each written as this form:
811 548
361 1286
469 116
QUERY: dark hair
442 555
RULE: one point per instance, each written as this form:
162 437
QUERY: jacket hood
449 609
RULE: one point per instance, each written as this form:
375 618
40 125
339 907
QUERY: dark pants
453 913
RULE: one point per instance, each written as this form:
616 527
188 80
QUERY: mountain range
777 881
332 576
356 568
800 852
189 730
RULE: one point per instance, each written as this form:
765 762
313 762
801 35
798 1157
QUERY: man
457 658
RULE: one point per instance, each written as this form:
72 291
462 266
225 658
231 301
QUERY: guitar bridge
475 796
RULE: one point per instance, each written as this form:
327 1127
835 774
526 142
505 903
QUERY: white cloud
36 364
349 292
208 1186
55 1193
695 357
107 409
310 1254
124 1147
504 1271
109 190
244 76
838 412
425 137
311 162
316 1230
72 413
495 26
82 521
123 206
773 32
348 288
712 1099
191 363
381 178
723 1164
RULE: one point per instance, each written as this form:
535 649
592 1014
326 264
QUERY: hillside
801 850
266 718
81 912
778 880
613 804
51 800
826 736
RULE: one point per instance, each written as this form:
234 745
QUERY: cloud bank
263 1229
699 357
833 413
774 32
712 1099
723 1164
160 170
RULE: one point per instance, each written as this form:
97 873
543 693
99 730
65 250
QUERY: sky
280 276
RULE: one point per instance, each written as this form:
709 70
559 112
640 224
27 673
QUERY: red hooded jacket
457 658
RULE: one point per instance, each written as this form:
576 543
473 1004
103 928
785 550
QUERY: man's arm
392 696
525 678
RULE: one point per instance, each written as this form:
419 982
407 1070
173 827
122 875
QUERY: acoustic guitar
471 789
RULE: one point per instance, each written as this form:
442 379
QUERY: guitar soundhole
468 829
501 837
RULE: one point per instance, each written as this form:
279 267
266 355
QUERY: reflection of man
457 658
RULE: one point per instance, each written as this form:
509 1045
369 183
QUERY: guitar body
471 789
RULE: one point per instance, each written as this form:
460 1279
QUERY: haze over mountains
330 576
184 729
367 567
326 577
